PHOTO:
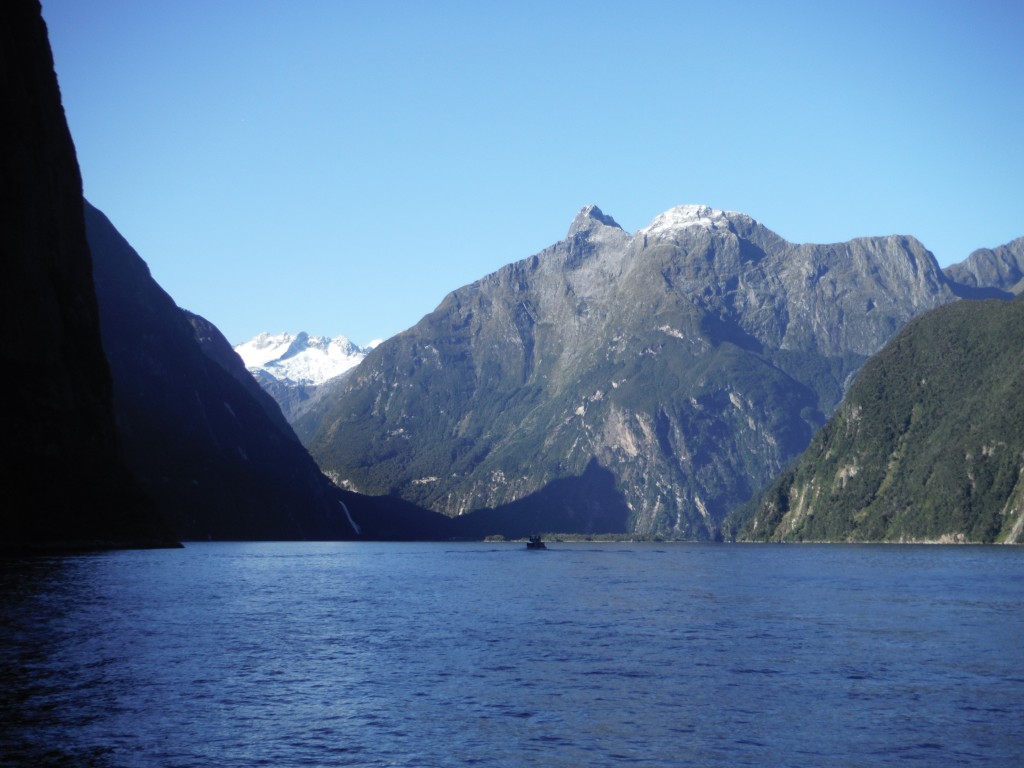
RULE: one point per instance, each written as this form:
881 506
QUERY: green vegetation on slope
928 445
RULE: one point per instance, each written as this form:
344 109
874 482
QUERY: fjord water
480 654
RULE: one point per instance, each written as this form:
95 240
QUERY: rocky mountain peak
691 368
590 217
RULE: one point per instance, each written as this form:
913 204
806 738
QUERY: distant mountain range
647 382
292 368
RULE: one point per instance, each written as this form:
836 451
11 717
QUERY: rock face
204 440
691 361
927 446
62 478
999 269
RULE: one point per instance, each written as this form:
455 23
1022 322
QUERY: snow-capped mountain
301 358
644 382
293 368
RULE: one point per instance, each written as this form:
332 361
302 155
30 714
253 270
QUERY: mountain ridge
693 359
1000 268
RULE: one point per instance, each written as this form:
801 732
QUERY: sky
339 167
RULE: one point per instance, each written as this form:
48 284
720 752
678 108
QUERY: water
480 654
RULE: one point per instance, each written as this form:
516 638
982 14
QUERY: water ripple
438 655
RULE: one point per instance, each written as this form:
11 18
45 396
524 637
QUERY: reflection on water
453 654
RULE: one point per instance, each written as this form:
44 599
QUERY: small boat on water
535 542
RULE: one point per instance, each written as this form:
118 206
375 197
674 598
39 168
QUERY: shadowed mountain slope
204 439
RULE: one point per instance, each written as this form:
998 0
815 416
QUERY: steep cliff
63 482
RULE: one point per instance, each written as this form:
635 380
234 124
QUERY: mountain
927 446
301 358
204 440
655 380
293 368
64 484
999 269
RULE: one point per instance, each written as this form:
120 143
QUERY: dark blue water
473 654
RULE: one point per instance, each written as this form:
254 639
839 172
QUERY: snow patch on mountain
690 216
300 358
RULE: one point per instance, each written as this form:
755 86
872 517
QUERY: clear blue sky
338 167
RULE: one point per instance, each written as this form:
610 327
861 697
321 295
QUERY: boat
535 542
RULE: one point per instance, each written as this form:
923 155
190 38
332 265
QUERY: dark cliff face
927 446
64 483
218 349
205 441
691 361
218 464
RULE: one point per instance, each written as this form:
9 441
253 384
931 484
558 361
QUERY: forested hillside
927 446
